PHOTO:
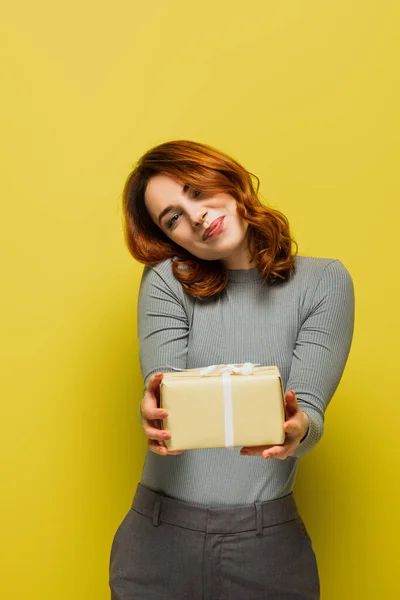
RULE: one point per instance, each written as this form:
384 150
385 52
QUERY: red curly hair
204 169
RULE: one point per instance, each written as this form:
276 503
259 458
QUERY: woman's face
207 226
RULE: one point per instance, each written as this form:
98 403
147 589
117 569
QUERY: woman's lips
215 228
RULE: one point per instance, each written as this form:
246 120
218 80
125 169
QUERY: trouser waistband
250 517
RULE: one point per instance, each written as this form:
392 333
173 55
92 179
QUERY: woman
222 285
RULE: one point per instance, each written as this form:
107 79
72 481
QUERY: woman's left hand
295 428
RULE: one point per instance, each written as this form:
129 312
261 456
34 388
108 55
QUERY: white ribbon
226 371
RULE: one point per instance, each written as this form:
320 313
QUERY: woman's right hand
152 416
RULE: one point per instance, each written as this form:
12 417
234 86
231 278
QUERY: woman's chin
212 254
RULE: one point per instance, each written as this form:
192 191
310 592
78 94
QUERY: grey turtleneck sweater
303 325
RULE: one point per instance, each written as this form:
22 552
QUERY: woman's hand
295 428
152 415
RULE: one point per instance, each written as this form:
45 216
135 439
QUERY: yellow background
303 93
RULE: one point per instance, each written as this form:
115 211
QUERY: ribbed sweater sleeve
322 348
163 326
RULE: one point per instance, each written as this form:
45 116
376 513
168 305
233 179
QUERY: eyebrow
166 210
171 207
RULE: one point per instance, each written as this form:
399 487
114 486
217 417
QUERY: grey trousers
165 549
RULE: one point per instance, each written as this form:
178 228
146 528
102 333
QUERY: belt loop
259 518
156 511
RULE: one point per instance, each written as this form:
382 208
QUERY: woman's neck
239 260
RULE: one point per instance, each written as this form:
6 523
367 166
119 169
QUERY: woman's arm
322 348
163 333
319 358
163 325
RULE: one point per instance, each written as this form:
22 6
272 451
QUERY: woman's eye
171 221
190 191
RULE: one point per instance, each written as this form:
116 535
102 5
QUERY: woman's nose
197 216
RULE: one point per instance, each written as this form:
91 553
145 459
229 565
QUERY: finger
156 434
150 401
152 412
279 452
292 406
292 426
149 407
154 382
152 391
254 450
291 398
157 447
161 450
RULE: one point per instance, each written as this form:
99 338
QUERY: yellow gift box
223 406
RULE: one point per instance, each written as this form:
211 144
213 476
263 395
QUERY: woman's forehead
162 189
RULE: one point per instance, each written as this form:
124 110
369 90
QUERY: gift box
223 406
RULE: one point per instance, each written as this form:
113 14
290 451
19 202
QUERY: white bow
245 369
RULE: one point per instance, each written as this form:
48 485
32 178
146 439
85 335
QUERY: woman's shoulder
161 272
314 267
163 268
162 276
312 271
